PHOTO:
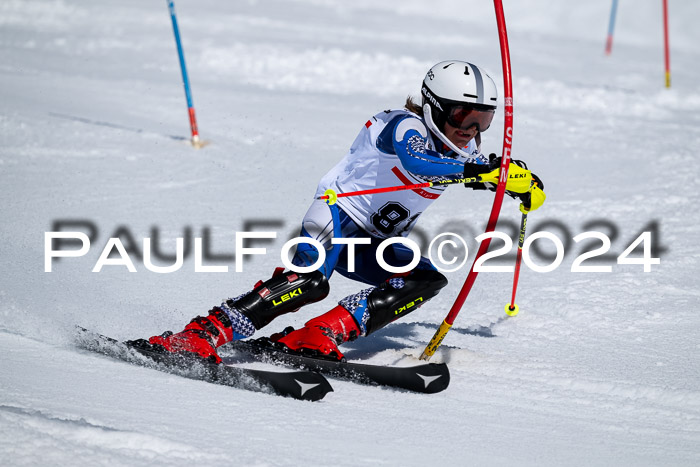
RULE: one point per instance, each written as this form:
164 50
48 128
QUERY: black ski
304 385
426 378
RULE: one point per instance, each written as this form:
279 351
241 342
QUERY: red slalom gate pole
437 339
667 54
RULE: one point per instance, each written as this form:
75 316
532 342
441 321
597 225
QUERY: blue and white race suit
394 147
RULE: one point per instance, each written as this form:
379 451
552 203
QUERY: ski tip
309 386
434 377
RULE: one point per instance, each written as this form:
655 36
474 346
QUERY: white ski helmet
459 93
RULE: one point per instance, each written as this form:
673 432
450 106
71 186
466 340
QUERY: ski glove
472 170
488 172
528 189
519 177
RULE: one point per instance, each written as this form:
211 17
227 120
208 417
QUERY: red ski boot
320 337
199 338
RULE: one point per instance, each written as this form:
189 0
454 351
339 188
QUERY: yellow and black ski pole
331 196
511 308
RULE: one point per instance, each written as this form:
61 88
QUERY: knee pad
399 296
283 293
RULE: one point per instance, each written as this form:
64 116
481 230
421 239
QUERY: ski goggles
463 117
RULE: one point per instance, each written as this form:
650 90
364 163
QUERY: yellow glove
519 178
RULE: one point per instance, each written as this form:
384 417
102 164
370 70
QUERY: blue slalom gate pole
611 27
185 80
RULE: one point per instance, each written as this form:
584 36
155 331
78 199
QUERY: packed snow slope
599 368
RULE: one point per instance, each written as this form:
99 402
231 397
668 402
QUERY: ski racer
439 139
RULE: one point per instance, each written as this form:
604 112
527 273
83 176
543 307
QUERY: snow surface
597 369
